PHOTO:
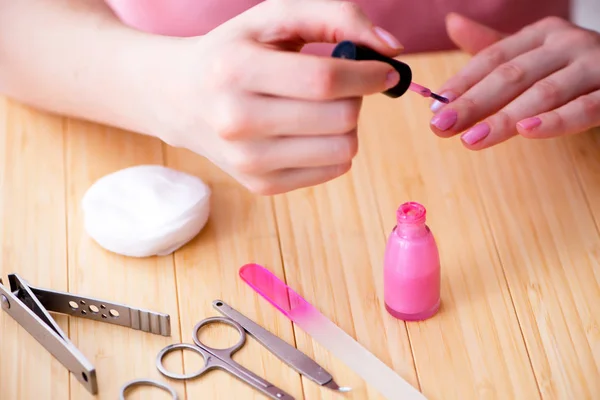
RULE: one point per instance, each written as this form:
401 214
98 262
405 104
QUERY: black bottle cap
352 51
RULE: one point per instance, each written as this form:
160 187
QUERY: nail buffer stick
333 338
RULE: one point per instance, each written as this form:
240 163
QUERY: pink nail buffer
375 373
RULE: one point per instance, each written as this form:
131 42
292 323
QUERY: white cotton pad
145 210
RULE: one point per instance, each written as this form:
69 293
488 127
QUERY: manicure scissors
220 359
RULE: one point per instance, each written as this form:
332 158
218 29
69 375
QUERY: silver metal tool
30 306
220 359
284 351
147 382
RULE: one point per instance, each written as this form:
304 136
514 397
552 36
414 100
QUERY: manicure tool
352 51
339 343
30 306
147 382
285 352
220 359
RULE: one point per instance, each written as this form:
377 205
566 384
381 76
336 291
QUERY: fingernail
444 120
436 105
393 77
476 134
530 123
388 38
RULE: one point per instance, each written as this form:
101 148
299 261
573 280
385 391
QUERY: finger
256 116
576 116
259 158
329 21
471 36
547 94
284 181
304 76
491 57
497 89
555 90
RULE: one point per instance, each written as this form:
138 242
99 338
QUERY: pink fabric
418 24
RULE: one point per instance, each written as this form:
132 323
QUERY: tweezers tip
334 386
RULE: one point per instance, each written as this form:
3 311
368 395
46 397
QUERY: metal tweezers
29 307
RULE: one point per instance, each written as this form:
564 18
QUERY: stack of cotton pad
145 210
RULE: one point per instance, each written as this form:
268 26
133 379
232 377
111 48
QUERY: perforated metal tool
30 307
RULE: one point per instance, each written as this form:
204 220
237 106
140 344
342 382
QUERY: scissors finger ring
148 382
173 347
224 320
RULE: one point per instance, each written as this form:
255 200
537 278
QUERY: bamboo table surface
517 227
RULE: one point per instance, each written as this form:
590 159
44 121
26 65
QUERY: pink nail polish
436 105
411 267
476 133
392 79
444 120
530 123
388 38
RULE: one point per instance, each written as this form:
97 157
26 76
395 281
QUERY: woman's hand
273 118
541 82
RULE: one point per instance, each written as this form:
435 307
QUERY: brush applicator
353 51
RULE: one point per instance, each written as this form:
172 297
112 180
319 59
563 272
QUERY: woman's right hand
274 119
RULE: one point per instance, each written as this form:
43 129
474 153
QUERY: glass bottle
411 266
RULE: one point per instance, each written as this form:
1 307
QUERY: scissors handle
221 353
222 359
210 355
208 363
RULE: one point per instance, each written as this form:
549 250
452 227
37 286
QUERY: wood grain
119 353
241 230
332 245
402 161
477 332
547 239
518 227
33 237
584 151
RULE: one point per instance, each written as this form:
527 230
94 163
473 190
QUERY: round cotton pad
145 210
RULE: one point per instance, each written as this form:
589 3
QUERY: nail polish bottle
411 266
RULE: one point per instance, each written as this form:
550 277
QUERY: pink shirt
418 24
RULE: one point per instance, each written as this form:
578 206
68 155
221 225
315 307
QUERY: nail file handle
285 352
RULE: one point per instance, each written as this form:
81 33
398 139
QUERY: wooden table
517 227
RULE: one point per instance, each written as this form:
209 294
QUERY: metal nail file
375 373
284 351
30 306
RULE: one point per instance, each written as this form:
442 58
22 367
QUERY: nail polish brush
352 51
341 345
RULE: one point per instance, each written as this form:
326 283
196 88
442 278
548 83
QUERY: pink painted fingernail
388 38
476 134
444 120
436 105
393 77
530 123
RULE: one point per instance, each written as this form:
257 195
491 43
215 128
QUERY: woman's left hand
541 82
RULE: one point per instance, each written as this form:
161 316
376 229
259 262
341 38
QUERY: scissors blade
285 352
246 376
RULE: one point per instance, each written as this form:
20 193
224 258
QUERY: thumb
317 21
471 36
